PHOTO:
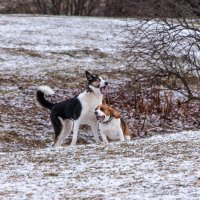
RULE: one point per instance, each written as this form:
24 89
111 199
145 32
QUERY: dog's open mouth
103 89
100 118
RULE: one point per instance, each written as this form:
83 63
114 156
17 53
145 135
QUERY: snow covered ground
55 51
160 167
63 42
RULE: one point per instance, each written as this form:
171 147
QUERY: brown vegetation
163 60
114 8
154 110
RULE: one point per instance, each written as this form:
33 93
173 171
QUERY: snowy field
37 50
63 42
160 167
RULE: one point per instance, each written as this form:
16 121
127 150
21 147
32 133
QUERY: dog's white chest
89 102
111 129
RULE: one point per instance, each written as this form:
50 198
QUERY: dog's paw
105 142
127 138
99 142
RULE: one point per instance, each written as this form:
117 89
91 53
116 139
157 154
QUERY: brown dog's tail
125 130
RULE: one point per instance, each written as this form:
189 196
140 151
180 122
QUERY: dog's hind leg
68 124
58 125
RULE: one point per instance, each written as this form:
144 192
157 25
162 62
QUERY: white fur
97 90
127 138
89 102
46 89
112 130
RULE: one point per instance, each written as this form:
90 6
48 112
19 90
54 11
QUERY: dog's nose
106 83
95 112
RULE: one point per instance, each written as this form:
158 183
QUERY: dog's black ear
88 75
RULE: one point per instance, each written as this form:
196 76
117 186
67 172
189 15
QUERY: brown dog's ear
98 107
103 102
114 113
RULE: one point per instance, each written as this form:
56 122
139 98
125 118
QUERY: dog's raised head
104 113
96 83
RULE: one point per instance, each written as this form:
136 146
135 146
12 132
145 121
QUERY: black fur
93 78
57 126
45 103
68 109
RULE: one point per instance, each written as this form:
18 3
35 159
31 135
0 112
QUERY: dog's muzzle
100 119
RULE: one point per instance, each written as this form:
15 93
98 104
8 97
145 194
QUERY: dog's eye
97 80
96 83
102 109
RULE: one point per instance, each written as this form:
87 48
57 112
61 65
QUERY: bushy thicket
114 8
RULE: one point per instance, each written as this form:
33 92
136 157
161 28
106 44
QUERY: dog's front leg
94 127
75 133
104 138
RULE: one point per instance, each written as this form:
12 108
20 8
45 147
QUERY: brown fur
125 128
109 111
114 113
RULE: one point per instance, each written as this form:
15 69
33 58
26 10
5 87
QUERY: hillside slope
160 167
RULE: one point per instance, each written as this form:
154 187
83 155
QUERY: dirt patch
22 51
79 54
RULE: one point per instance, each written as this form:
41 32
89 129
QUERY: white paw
128 138
105 142
99 142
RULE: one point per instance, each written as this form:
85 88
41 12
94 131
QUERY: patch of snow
40 43
160 167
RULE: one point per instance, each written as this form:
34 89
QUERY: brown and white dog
111 125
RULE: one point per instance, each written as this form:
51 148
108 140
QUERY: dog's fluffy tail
39 97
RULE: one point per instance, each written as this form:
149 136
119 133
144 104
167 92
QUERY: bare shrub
69 7
41 6
164 62
165 51
114 8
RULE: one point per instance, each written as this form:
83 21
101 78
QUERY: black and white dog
71 113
